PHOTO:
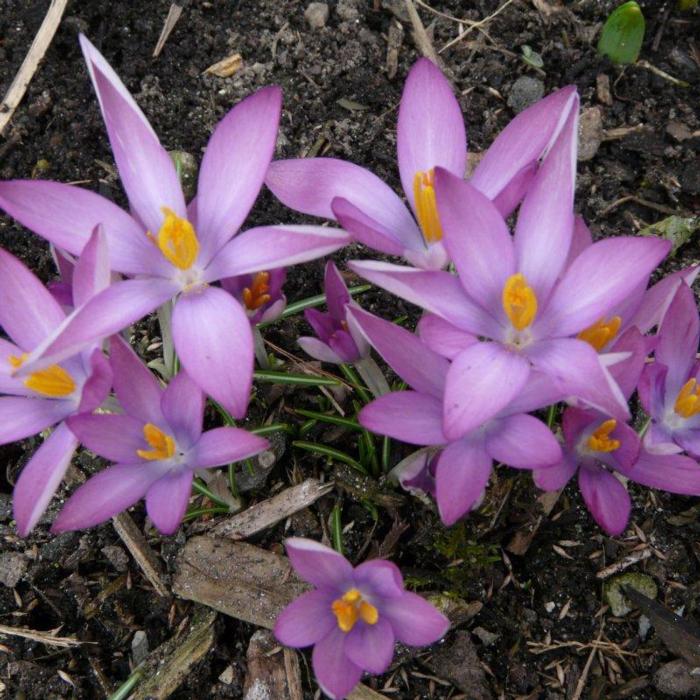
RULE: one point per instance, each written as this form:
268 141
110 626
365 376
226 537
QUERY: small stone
228 675
602 83
347 10
550 606
12 568
590 132
117 557
487 638
139 647
677 680
678 131
525 92
317 14
613 593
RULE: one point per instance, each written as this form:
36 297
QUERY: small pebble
139 647
317 14
525 92
590 132
12 568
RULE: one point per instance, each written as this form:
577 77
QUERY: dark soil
339 101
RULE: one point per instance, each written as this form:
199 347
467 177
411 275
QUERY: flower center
519 301
176 240
163 445
53 381
600 440
688 401
426 206
601 332
258 294
351 608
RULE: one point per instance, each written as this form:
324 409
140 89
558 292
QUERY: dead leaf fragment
226 67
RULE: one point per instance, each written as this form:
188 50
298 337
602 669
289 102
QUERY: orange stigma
519 301
163 445
688 401
53 382
258 294
351 608
601 332
426 206
176 240
600 440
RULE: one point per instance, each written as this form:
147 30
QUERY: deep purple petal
335 673
306 620
371 647
523 442
415 621
22 417
651 389
442 337
183 407
41 477
407 416
167 499
673 473
344 346
92 271
98 383
337 295
463 470
378 578
430 129
319 565
556 477
628 372
224 445
214 342
606 499
481 381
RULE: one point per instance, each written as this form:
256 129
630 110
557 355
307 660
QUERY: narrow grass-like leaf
331 452
294 379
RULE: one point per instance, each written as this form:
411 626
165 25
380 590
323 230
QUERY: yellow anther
16 361
163 445
688 401
519 301
257 294
176 240
351 608
600 440
601 332
53 382
426 206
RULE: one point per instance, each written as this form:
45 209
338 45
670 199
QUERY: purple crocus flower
260 294
157 444
44 398
430 134
669 389
169 248
353 617
464 465
600 448
516 294
337 342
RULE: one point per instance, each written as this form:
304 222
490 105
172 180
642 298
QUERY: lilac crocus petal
442 337
371 647
343 345
539 391
414 472
430 128
627 372
66 216
183 407
477 239
28 312
545 222
317 564
673 473
167 499
267 247
421 368
689 440
481 381
92 271
598 280
21 417
523 442
576 368
407 416
512 194
9 383
438 292
234 166
107 493
555 477
523 141
135 386
145 168
105 314
678 338
306 620
337 295
379 578
415 621
319 350
224 445
366 230
581 239
462 473
41 477
210 328
98 383
335 673
309 185
606 499
114 437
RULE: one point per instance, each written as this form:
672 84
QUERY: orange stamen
688 401
176 240
601 332
426 205
351 608
163 445
519 301
600 440
257 294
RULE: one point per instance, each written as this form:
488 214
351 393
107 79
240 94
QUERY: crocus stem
372 376
124 690
165 312
551 415
232 483
336 529
201 488
260 351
